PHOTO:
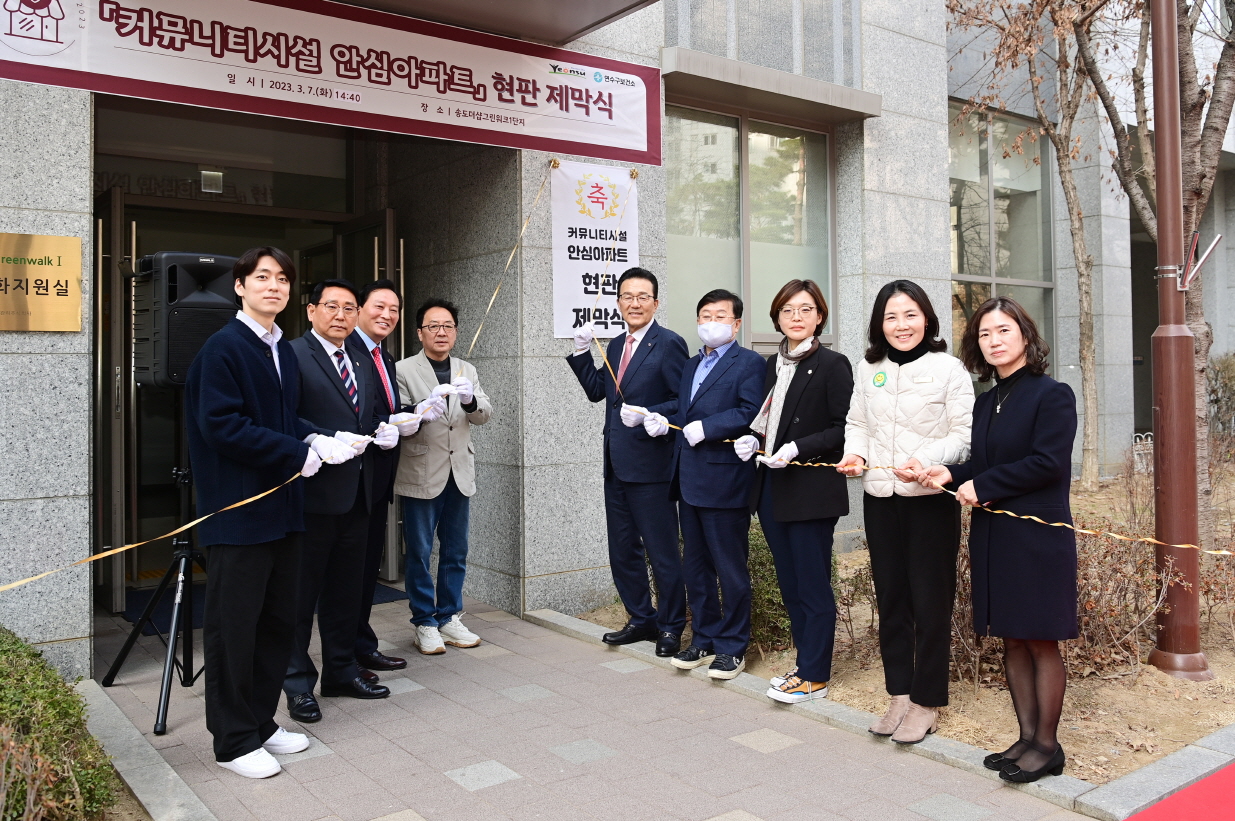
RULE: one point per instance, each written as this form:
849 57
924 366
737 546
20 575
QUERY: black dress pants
331 570
913 544
375 546
802 554
249 625
641 518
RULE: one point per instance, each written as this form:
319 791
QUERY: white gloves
633 415
354 441
464 387
655 424
746 447
312 464
387 436
787 453
443 391
331 450
407 423
693 433
583 337
431 409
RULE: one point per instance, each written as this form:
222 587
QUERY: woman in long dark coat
1023 573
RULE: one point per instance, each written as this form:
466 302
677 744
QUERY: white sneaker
429 640
779 680
285 743
257 764
456 635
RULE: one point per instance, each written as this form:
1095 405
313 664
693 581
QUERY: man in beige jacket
437 476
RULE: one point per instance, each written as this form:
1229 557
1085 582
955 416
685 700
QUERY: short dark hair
1036 349
640 273
721 295
368 288
789 290
436 303
878 349
320 288
247 263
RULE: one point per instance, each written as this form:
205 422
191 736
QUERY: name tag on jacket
920 379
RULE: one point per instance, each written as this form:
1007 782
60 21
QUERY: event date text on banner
595 239
335 63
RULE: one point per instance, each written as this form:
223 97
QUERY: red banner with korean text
333 63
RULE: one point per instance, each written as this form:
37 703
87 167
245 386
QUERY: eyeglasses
433 329
807 311
629 299
709 317
333 308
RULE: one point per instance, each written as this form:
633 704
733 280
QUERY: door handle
119 394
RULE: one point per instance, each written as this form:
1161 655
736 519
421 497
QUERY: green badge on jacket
880 379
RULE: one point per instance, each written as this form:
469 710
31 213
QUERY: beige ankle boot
918 723
892 718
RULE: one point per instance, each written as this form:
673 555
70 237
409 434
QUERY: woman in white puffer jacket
912 407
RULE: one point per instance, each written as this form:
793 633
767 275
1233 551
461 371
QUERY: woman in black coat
808 388
1023 573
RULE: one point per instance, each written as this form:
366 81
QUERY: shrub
50 766
769 620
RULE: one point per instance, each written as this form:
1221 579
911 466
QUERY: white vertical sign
595 239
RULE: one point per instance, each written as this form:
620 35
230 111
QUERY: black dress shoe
1013 773
304 708
997 761
369 676
630 634
377 661
356 688
668 644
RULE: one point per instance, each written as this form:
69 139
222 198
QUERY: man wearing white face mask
721 391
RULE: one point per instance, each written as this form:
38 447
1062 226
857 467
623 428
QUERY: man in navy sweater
245 438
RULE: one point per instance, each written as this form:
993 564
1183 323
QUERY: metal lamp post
1178 650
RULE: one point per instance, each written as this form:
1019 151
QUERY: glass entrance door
139 427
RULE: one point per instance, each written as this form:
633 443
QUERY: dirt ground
127 807
1111 725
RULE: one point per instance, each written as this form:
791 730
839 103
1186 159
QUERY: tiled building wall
45 407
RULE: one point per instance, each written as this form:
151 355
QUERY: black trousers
802 553
366 639
642 518
715 550
247 636
331 570
913 544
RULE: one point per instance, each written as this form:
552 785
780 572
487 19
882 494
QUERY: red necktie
381 372
630 346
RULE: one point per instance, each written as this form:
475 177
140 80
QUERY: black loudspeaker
179 301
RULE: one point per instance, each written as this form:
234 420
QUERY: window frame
1047 190
767 343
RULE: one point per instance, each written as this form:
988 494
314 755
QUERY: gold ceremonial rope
553 163
116 550
181 529
1073 528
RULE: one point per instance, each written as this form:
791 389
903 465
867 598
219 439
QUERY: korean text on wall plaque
40 283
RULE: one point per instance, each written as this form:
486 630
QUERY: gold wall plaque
40 283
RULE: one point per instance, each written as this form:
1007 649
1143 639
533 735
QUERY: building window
748 208
1000 218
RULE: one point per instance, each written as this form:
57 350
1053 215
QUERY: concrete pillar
45 484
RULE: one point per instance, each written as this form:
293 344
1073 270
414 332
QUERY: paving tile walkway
537 725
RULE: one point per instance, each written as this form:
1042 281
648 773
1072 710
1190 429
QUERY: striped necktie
348 382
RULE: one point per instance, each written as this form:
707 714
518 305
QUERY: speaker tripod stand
180 631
